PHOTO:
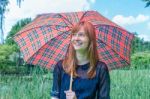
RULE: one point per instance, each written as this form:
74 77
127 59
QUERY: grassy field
130 84
125 84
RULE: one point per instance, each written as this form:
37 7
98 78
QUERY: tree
139 45
3 4
3 8
147 3
19 2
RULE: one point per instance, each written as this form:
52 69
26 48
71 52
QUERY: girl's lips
78 43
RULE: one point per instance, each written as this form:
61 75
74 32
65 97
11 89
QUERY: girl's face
80 40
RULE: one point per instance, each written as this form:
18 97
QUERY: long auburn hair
70 61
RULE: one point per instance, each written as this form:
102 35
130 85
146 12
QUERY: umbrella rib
34 28
115 52
66 20
52 37
110 46
114 26
41 48
83 15
113 49
111 25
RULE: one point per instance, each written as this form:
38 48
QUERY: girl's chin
79 48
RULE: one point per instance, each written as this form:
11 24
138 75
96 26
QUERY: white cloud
146 37
31 8
130 20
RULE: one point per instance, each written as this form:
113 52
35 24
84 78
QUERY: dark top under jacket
84 88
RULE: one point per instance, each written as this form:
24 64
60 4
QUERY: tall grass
130 84
35 86
125 84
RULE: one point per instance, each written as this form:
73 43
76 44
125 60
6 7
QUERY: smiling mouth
78 43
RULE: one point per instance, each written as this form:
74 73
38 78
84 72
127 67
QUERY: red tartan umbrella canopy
46 39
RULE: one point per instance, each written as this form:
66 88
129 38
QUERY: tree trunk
1 28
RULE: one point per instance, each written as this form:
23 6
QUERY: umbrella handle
71 80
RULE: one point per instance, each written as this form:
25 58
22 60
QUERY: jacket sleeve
55 91
104 83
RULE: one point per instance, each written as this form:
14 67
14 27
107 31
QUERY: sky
130 14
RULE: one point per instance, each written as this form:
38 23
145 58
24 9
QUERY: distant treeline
139 45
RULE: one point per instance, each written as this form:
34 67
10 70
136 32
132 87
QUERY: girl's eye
73 34
81 35
78 34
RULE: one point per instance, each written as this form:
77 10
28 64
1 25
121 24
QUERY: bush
5 51
140 60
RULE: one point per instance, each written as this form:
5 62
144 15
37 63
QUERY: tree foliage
3 4
141 60
19 2
5 51
16 28
147 3
10 49
139 45
3 9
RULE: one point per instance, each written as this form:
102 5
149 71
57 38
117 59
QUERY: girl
90 76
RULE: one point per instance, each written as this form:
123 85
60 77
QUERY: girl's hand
70 94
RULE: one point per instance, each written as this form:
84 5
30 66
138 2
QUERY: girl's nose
76 37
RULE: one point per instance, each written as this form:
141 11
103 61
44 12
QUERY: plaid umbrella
46 39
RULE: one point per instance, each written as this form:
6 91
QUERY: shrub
140 60
5 51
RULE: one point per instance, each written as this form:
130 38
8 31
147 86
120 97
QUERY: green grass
125 84
130 84
27 87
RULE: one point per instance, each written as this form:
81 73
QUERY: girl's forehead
79 29
79 32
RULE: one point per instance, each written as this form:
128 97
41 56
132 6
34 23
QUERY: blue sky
129 14
136 17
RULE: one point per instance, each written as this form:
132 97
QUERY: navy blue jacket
84 88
